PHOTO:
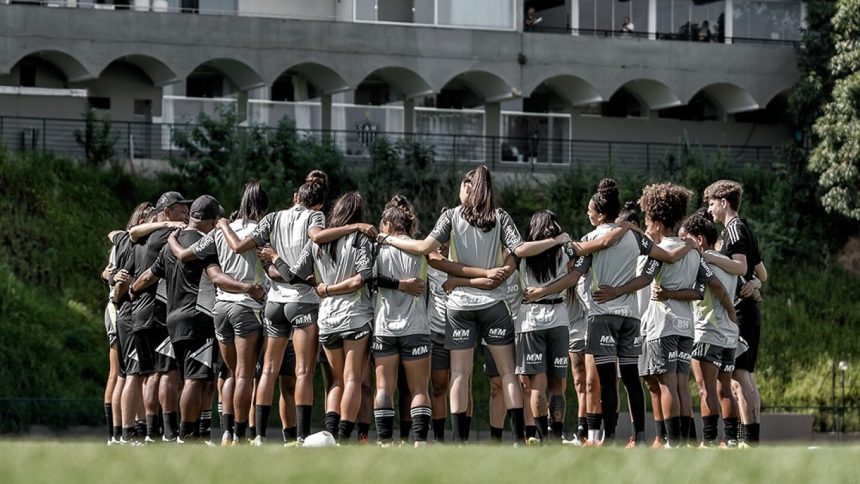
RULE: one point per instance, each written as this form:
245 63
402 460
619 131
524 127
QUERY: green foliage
837 150
219 157
97 139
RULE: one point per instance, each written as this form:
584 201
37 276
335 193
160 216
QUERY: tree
836 156
97 139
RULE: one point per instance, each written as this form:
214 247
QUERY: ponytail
479 209
314 189
399 214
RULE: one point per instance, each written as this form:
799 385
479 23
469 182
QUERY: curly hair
606 199
700 224
400 215
730 190
665 203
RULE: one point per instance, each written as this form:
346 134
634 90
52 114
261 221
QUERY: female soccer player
401 328
477 231
613 329
237 316
542 328
292 306
342 268
715 341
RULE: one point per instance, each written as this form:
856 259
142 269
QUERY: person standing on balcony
705 32
627 26
531 20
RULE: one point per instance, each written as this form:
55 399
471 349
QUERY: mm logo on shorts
607 340
497 332
560 362
460 333
376 346
303 320
420 351
534 358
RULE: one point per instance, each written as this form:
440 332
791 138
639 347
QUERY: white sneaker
148 440
209 443
113 441
165 438
258 441
227 439
420 444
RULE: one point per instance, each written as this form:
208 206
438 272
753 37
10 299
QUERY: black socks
261 414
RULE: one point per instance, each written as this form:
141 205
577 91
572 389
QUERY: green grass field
30 461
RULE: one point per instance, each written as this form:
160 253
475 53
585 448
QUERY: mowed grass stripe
27 461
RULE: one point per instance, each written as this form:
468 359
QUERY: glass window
394 11
477 13
665 18
365 10
425 11
774 20
707 20
587 15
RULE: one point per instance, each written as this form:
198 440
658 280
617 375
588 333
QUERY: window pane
365 10
587 15
665 23
424 11
394 11
767 20
477 13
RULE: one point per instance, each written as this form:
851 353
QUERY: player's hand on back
413 286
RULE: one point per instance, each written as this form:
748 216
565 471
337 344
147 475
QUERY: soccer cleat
258 441
209 443
180 440
732 444
295 443
148 440
422 443
226 439
171 440
403 443
113 441
743 445
532 442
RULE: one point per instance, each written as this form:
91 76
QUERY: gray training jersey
674 317
577 310
473 247
243 267
396 312
513 294
713 325
437 300
353 253
615 266
287 231
536 317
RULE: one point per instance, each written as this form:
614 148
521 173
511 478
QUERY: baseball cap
170 198
205 207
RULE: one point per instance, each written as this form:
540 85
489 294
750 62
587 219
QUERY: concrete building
482 79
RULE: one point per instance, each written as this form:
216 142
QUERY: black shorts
490 369
222 371
128 362
154 351
411 347
195 358
612 335
722 358
494 324
543 351
233 319
110 324
749 323
334 341
441 356
281 318
669 354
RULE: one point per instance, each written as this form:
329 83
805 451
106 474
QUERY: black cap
205 208
170 198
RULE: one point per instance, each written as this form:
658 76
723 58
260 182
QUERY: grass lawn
59 462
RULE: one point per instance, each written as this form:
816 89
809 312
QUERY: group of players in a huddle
201 304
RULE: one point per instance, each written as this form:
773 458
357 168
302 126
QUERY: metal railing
690 36
506 153
164 7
